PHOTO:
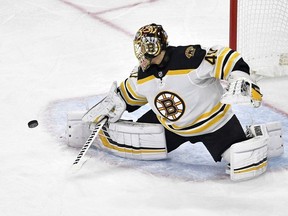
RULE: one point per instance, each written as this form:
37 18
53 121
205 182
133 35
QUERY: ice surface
58 56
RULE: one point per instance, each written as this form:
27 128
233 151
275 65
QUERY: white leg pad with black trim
141 141
77 131
134 140
248 159
275 140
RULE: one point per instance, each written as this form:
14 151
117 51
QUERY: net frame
259 31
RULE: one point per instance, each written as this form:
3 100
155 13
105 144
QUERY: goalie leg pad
77 131
141 141
134 140
248 159
274 132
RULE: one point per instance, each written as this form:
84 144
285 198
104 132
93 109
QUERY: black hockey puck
32 123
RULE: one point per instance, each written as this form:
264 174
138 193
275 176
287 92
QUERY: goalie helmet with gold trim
149 41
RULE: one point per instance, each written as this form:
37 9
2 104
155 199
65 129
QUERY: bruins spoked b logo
170 105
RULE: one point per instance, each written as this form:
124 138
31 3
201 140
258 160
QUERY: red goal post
259 31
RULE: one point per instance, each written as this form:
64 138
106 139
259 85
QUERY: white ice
57 56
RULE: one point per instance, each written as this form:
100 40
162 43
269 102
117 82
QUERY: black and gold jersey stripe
225 63
130 96
201 124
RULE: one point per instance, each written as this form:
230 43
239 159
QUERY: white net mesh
262 36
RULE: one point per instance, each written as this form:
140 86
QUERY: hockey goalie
183 87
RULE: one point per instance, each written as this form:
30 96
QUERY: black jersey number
211 56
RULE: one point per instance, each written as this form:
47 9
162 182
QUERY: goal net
259 31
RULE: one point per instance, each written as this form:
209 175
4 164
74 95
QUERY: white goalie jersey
184 91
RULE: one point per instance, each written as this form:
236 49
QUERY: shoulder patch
186 57
190 51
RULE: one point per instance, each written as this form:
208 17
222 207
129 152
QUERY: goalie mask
149 41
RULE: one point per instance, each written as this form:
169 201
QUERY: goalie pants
216 142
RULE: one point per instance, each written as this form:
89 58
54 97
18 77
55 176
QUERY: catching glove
241 90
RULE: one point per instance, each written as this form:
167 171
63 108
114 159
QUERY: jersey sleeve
128 91
225 61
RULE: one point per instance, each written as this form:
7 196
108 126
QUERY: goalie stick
98 126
